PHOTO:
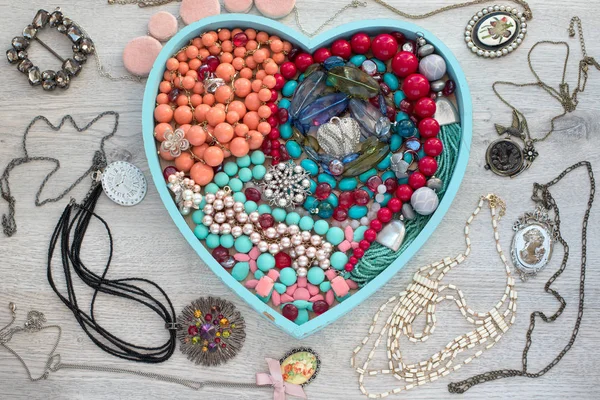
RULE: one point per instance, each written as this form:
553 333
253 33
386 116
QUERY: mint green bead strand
258 172
211 188
265 262
264 209
288 276
226 241
325 286
212 241
338 260
243 244
326 178
235 184
321 227
239 196
240 271
221 179
279 214
245 174
306 223
285 130
335 235
315 275
243 161
250 206
292 218
197 216
257 157
230 168
201 232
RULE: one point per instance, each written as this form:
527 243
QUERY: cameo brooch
532 243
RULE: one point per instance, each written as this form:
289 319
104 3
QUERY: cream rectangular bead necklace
426 290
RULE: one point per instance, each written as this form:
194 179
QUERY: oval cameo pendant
495 31
532 243
300 366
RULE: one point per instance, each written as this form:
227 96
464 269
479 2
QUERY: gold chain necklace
426 290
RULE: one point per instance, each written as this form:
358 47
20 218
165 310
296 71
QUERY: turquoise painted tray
260 23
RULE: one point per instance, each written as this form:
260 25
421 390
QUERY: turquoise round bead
325 286
201 232
292 218
212 241
421 152
366 175
315 275
279 287
402 181
381 68
385 163
239 196
301 77
211 188
310 203
226 241
197 216
302 317
359 233
265 262
338 260
321 227
245 174
250 206
408 157
347 184
335 235
240 271
391 80
386 198
401 116
284 103
289 88
313 186
332 199
279 214
258 274
395 143
310 166
285 130
293 148
258 172
326 178
398 97
230 168
306 223
243 161
235 184
287 276
387 175
301 304
358 59
264 209
357 212
325 210
221 179
243 244
257 157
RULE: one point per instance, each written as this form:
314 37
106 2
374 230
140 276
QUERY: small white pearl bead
320 255
327 247
208 209
295 265
236 231
302 261
218 204
301 271
238 206
296 240
306 236
214 228
242 217
325 264
311 252
271 233
315 240
248 229
255 237
220 194
207 220
274 248
228 201
293 229
225 229
281 228
285 242
220 217
229 213
263 246
254 216
300 250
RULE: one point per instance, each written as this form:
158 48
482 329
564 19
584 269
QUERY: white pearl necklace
423 294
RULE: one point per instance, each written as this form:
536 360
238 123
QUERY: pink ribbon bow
275 379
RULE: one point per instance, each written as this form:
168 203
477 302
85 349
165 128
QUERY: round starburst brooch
211 331
286 185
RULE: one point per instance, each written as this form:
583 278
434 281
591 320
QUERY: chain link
527 13
141 3
541 194
353 4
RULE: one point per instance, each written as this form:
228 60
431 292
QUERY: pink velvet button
275 8
237 6
139 55
162 26
194 10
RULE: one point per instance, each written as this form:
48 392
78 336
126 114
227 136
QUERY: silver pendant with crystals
123 183
532 243
496 31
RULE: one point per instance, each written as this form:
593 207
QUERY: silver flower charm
175 142
286 184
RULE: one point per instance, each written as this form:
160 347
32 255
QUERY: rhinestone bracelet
49 79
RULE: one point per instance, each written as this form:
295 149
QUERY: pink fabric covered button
139 55
238 6
275 8
264 287
162 26
194 10
301 294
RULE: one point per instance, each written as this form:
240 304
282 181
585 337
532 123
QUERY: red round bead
252 194
320 306
212 62
361 197
384 46
384 214
348 267
433 147
364 244
405 63
406 106
220 253
449 88
428 165
361 43
266 221
240 39
417 180
390 184
322 54
168 171
290 311
340 214
279 81
370 235
394 204
346 199
415 86
425 107
376 225
272 120
341 48
208 317
374 182
429 127
323 191
404 192
358 253
399 36
288 70
273 107
274 134
282 260
282 116
353 260
274 95
303 61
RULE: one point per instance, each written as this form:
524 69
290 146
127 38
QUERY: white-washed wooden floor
148 244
